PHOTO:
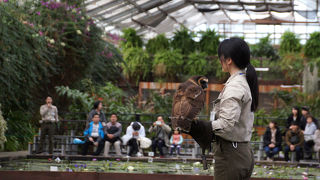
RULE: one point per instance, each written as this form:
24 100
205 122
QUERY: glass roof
152 17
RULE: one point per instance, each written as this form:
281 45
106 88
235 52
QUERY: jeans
175 147
271 151
88 143
298 151
158 143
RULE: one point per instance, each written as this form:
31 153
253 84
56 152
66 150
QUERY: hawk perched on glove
188 101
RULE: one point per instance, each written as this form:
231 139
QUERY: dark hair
295 124
309 116
95 114
298 109
275 123
238 50
136 126
306 108
96 104
48 97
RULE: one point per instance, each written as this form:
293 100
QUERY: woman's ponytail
238 50
252 79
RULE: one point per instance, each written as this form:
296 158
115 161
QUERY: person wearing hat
134 131
294 141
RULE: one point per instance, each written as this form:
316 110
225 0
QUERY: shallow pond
150 167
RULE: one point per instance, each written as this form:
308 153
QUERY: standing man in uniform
49 116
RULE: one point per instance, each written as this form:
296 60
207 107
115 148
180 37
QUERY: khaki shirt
48 114
233 116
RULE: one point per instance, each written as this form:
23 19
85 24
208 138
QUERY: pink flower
109 55
40 33
38 13
5 0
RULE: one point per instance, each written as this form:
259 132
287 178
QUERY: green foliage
292 66
3 129
289 43
49 44
264 48
26 61
167 64
159 104
197 64
20 131
209 42
137 64
159 43
312 47
114 99
298 98
131 39
182 40
84 99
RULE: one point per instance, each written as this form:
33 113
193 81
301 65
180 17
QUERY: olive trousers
233 161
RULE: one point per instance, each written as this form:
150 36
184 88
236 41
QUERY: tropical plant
115 100
20 131
130 39
197 64
137 64
265 49
209 42
86 101
289 43
292 65
183 40
50 44
167 64
312 46
298 98
159 43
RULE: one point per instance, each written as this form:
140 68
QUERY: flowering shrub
44 44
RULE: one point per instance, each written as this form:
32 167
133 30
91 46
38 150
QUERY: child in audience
176 141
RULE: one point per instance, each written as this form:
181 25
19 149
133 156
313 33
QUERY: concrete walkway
13 155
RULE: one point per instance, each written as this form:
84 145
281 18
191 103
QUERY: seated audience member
97 109
305 113
294 141
176 141
134 131
316 139
94 135
295 116
272 140
161 139
112 133
309 131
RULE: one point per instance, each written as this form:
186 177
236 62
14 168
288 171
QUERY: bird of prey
188 101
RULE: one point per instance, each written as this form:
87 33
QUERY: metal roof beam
146 6
103 7
238 3
224 12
